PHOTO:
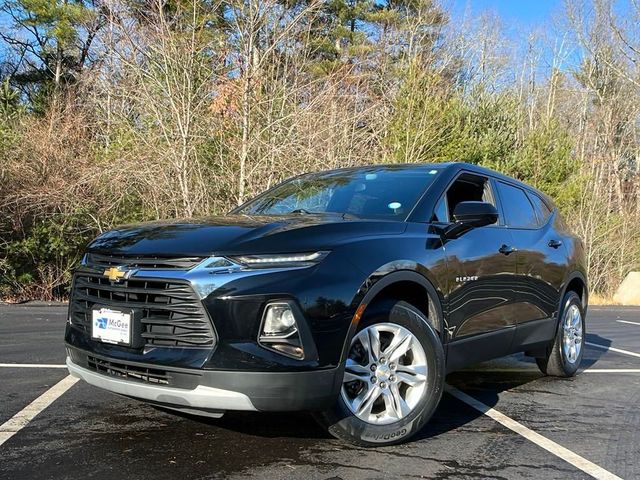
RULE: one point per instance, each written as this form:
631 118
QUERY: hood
239 234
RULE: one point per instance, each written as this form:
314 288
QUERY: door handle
555 243
506 249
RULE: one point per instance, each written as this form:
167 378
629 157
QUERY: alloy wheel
385 375
572 334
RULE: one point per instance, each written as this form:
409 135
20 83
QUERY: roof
446 166
456 166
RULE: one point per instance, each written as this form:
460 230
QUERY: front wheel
564 355
393 379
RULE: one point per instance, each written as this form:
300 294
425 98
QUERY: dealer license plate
111 326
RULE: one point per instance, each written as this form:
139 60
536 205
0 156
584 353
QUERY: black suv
349 293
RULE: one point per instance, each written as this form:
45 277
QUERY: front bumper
201 397
176 365
210 390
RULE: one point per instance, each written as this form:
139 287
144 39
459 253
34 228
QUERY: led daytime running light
301 259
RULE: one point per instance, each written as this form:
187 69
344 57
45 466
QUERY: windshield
383 193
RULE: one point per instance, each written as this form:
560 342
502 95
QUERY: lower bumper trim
201 397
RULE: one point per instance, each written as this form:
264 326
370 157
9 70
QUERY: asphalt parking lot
501 419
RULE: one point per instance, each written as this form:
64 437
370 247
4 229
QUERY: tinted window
367 193
542 210
468 188
440 213
517 208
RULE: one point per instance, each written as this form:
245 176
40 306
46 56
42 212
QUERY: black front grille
171 313
142 262
129 372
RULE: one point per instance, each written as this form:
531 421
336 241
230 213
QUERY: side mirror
470 215
475 214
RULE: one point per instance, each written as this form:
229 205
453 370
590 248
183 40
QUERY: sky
527 13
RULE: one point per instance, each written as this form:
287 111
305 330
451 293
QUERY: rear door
541 261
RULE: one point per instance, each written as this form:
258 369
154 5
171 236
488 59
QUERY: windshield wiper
302 211
345 216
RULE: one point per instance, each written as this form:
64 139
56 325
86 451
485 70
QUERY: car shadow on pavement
265 424
591 354
485 381
453 414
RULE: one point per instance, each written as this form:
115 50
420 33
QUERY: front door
481 267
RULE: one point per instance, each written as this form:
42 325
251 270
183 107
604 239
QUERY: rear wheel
564 355
393 379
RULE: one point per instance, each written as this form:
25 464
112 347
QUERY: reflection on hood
239 234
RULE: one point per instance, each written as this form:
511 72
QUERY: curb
34 303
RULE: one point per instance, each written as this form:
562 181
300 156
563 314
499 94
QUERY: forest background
119 111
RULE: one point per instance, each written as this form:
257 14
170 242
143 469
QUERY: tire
400 410
561 361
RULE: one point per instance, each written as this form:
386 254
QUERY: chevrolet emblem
114 274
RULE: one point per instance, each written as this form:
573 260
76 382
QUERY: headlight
280 260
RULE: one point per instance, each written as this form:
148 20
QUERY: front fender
386 276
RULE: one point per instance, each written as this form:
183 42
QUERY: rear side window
518 210
542 210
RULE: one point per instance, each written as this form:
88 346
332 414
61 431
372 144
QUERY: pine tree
52 41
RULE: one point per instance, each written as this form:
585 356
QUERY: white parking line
535 370
30 365
627 321
21 419
617 350
611 370
550 446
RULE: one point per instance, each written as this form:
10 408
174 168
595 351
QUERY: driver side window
466 188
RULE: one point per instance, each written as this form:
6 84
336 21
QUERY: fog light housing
278 319
279 330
